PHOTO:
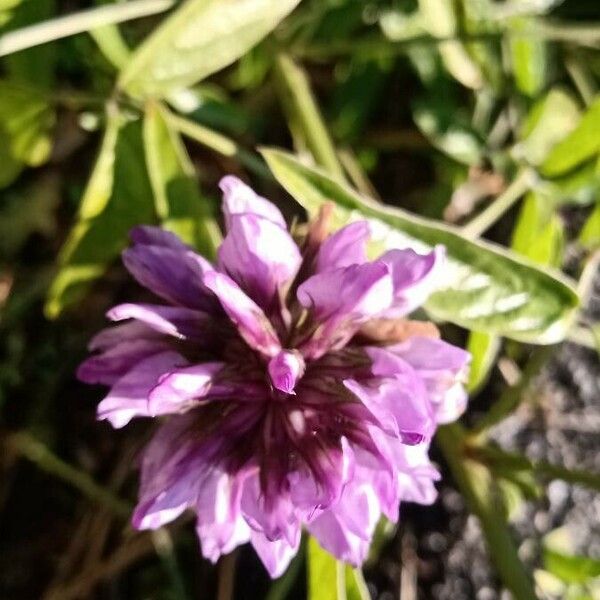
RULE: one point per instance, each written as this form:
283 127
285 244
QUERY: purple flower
297 393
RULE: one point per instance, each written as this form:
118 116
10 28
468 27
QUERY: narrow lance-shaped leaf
115 199
484 348
198 39
485 287
178 202
582 144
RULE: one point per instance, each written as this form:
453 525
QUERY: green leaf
529 56
581 144
590 233
177 198
570 569
448 135
539 232
198 39
304 115
356 587
484 348
485 287
26 122
548 122
323 576
439 18
116 198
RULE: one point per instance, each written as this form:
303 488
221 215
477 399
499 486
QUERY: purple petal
341 300
245 314
285 370
416 474
112 336
220 525
117 360
346 529
275 555
415 277
444 368
345 247
128 397
273 516
180 390
260 256
155 236
238 199
174 274
398 400
182 323
172 473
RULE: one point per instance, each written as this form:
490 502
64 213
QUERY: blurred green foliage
451 110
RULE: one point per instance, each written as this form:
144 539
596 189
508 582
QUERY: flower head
296 393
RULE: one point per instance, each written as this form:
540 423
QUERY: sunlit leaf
570 568
116 198
484 349
539 232
590 233
199 38
485 287
529 57
548 122
322 570
581 144
440 20
177 198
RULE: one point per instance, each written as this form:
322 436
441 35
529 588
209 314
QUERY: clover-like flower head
295 392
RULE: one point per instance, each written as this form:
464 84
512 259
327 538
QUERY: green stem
219 143
483 221
512 396
491 456
61 27
304 115
32 449
476 485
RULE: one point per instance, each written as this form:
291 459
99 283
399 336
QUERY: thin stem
219 143
27 446
483 221
61 27
583 80
477 486
512 396
227 576
491 456
304 114
163 544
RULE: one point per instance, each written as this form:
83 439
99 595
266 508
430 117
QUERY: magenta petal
345 247
172 473
220 525
260 256
128 397
112 336
239 199
336 529
285 370
155 236
415 277
244 313
182 323
416 474
399 402
444 369
173 274
181 390
341 300
116 361
275 555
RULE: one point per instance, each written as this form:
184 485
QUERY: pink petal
128 397
345 247
260 256
238 198
245 314
275 555
285 370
